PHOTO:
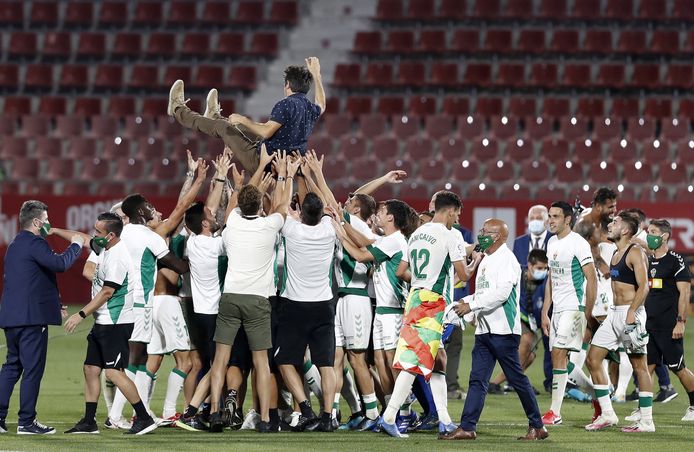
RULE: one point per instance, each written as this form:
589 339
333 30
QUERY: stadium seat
38 77
538 128
665 42
641 129
679 76
610 75
489 106
173 73
412 191
322 144
372 125
378 75
400 42
432 170
439 125
568 171
14 147
389 10
385 147
358 105
531 41
411 74
621 10
511 75
68 126
137 126
551 192
127 46
144 77
25 168
555 149
672 173
431 42
284 12
128 168
622 150
338 125
658 107
87 106
598 41
522 106
536 170
404 127
420 10
573 127
465 41
182 14
686 109
398 163
52 106
519 9
518 149
552 9
35 125
589 107
587 150
74 77
421 106
586 10
216 13
484 150
607 129
456 106
498 40
543 75
646 76
264 45
652 10
109 77
94 169
113 14
514 190
208 76
9 77
115 189
481 191
391 105
352 146
577 75
161 46
229 45
60 169
624 107
364 168
153 188
451 10
121 106
452 150
12 14
443 75
243 78
8 126
674 129
502 127
564 41
91 46
165 169
17 105
81 147
367 42
682 10
637 172
74 188
418 148
249 13
195 44
23 44
486 9
79 14
630 193
104 126
347 75
56 45
148 14
632 41
470 127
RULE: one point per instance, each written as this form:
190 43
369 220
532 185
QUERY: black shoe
665 395
192 424
230 405
305 422
83 426
3 426
216 422
236 420
633 396
142 426
495 389
535 390
335 423
267 427
323 425
36 428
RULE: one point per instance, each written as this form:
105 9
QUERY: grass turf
61 404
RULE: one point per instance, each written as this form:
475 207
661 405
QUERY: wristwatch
681 319
280 178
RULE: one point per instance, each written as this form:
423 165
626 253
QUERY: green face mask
485 241
654 241
97 244
44 229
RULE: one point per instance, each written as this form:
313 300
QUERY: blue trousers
488 350
26 358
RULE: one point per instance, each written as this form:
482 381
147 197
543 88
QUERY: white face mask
536 227
539 275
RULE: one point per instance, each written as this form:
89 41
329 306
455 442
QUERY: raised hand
265 183
313 65
202 169
192 163
265 158
292 166
222 164
280 163
313 162
395 177
239 178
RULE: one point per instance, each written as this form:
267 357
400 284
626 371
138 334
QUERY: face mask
539 275
654 241
45 227
485 242
97 244
536 227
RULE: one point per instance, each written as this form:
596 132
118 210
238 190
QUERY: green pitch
61 404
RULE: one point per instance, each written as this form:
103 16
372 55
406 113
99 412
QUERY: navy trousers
26 358
488 349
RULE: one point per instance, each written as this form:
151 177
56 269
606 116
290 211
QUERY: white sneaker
251 421
176 97
212 106
293 420
116 424
640 427
602 422
689 414
635 416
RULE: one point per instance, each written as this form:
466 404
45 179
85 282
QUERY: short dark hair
412 222
603 194
638 212
566 209
367 205
311 209
29 211
194 216
298 78
537 255
400 212
445 199
631 220
132 203
250 200
663 225
112 222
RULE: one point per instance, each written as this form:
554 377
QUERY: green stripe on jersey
578 278
148 265
379 256
387 310
222 264
352 291
117 301
397 283
285 273
347 266
510 308
440 285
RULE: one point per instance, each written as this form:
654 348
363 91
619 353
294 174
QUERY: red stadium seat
403 126
522 106
167 127
284 12
632 41
621 10
80 148
14 147
161 46
519 9
489 106
672 173
538 128
465 41
74 188
587 150
74 77
78 14
121 106
680 76
91 46
60 169
420 10
514 191
431 170
511 74
111 189
385 147
598 41
8 126
452 150
543 75
641 129
636 172
12 14
413 191
379 75
144 77
586 10
17 105
195 44
456 106
56 45
68 126
444 74
216 13
686 108
400 41
607 129
391 105
367 42
173 73
24 168
564 41
104 126
623 107
109 77
577 75
322 144
452 10
685 151
411 74
249 12
431 42
439 126
338 125
611 75
38 77
551 192
113 14
243 78
552 9
372 125
502 128
418 148
152 188
555 149
682 10
658 107
655 151
148 14
359 105
481 191
364 168
208 76
114 148
536 171
137 127
622 150
389 10
128 168
589 107
127 46
665 42
9 77
674 129
264 45
517 149
182 14
22 44
531 41
487 9
652 9
422 106
347 75
498 41
87 106
230 45
335 168
485 150
646 76
568 171
352 146
573 127
165 169
470 127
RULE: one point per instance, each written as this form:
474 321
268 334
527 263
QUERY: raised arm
165 228
238 178
316 166
291 166
313 65
265 160
172 262
42 253
359 253
391 177
221 164
190 175
69 235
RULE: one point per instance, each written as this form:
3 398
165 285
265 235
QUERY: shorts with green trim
250 311
567 329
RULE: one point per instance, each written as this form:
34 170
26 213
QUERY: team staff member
497 337
30 302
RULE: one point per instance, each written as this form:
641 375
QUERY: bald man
497 337
537 236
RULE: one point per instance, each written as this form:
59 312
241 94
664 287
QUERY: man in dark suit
537 236
30 302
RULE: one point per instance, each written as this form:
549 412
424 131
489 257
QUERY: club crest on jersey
653 272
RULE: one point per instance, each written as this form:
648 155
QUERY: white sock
559 379
582 380
646 406
349 392
109 391
143 382
312 377
371 405
625 372
151 388
579 358
440 392
336 406
403 386
602 392
407 404
173 389
119 400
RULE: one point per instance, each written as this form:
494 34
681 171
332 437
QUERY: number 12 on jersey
420 260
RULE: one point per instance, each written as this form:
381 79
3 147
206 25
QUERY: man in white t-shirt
307 318
112 307
570 291
248 284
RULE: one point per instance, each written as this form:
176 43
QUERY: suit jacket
30 293
521 247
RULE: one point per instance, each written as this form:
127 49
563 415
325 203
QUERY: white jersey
96 260
605 297
114 268
308 260
207 258
388 252
352 276
145 247
497 291
178 246
252 241
432 249
567 257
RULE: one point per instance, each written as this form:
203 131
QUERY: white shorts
353 318
142 329
169 332
566 330
611 335
387 331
